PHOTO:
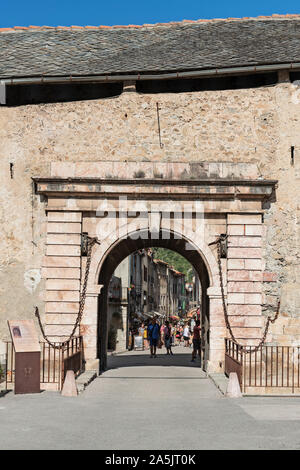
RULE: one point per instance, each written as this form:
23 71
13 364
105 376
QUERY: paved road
141 403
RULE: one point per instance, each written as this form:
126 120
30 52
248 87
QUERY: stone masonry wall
255 125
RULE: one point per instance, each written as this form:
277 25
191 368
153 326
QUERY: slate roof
184 46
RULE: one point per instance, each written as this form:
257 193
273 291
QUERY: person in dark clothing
196 341
153 336
168 338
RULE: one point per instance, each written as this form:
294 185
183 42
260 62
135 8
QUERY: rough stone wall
282 222
254 125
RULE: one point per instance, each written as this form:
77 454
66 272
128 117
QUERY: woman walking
186 335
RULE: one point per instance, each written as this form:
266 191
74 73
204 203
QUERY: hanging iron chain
219 242
90 243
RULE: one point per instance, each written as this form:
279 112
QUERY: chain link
90 244
218 242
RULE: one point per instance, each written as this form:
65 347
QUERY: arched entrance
177 204
145 239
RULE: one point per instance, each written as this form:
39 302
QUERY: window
295 77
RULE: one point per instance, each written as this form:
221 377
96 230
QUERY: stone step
84 379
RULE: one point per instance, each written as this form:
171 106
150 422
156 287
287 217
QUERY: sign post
27 356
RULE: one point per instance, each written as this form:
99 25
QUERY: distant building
141 287
162 291
193 292
177 293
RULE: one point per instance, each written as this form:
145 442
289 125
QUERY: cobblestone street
166 403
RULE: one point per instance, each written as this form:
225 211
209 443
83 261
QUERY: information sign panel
24 336
27 356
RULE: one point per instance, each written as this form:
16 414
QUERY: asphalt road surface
165 403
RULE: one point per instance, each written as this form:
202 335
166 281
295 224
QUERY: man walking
196 341
153 336
168 338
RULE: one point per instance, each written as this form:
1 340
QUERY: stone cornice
226 188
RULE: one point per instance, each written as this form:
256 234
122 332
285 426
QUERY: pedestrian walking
196 341
162 329
173 330
186 335
141 333
141 330
153 336
178 334
146 342
168 338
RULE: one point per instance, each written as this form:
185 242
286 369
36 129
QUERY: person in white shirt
186 335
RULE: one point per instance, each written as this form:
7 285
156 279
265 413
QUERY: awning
154 314
192 312
149 315
159 314
174 317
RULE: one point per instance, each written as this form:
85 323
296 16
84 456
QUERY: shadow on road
143 359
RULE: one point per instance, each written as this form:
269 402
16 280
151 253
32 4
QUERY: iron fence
72 357
269 369
55 361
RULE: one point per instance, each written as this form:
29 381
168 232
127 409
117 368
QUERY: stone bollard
69 388
233 387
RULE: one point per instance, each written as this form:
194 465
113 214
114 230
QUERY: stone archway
120 249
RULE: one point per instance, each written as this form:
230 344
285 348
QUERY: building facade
195 112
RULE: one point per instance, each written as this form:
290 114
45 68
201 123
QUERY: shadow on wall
115 325
19 95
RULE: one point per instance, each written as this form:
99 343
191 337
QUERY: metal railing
234 359
55 361
270 369
72 357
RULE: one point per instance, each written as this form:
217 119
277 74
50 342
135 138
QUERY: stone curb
220 381
84 379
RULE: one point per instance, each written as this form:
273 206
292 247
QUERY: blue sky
105 12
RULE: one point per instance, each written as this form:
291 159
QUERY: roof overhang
107 78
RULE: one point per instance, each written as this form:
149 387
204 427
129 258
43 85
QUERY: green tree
176 260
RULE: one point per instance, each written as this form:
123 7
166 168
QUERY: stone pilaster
244 275
217 332
89 327
62 272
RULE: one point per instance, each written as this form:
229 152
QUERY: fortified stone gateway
169 211
222 151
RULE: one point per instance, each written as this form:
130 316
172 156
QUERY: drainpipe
161 76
